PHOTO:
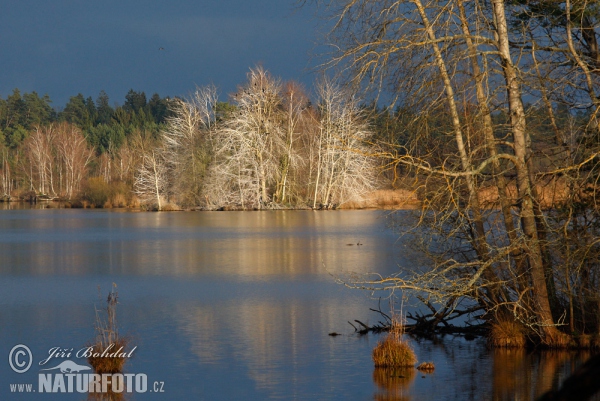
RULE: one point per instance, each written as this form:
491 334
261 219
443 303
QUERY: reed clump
427 367
393 350
107 354
506 333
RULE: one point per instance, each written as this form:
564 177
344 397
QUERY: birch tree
151 180
295 103
6 182
187 143
248 146
345 167
74 156
40 159
441 58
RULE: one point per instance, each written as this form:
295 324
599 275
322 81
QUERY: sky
65 47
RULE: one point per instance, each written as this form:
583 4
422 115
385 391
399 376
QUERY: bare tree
295 104
249 145
345 167
187 144
5 174
40 159
151 180
454 60
74 157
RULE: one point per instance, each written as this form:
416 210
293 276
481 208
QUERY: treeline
104 125
270 146
70 154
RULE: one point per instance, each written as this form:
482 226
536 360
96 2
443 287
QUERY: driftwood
426 325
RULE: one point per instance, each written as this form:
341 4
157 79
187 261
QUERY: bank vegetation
499 103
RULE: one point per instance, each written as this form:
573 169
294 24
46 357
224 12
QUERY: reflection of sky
216 325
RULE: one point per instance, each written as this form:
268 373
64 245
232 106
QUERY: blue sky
65 47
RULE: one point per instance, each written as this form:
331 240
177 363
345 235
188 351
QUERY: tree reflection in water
393 384
518 374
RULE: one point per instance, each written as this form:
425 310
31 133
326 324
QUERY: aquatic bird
161 48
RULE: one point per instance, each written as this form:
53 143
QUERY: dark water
233 306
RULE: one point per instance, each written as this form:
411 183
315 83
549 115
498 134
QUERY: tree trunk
526 201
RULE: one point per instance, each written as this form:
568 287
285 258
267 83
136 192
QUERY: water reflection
393 384
109 396
237 306
518 374
282 346
248 245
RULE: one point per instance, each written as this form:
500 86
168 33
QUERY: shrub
108 339
426 367
506 333
95 192
394 351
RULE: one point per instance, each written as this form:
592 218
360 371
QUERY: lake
233 306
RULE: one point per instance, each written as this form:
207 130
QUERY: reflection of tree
108 396
519 375
393 383
511 374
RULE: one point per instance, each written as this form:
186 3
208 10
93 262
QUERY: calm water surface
232 306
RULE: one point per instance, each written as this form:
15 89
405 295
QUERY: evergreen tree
104 110
134 101
77 112
37 110
159 108
15 110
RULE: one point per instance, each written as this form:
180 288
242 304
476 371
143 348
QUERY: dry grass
394 351
427 367
171 207
109 347
552 192
385 199
506 333
119 200
109 364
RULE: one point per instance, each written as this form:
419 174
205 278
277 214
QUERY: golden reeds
506 333
393 350
107 354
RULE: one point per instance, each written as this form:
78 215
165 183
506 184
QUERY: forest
269 146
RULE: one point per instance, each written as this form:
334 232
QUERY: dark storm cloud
64 47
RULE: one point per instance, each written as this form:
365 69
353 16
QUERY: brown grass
506 333
427 367
552 192
108 364
119 200
109 347
171 207
385 199
393 350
